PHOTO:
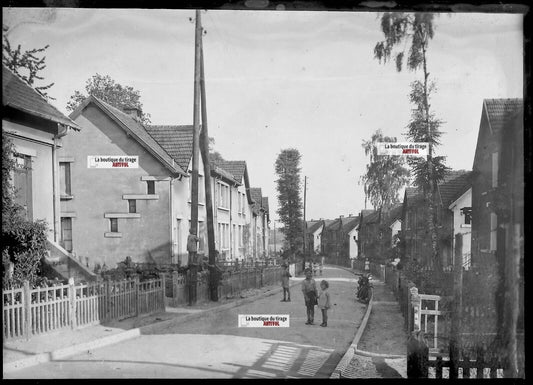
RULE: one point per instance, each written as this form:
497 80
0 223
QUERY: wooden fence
28 312
231 284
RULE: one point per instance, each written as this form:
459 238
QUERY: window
22 183
493 231
494 169
132 206
66 233
150 187
223 235
223 198
113 225
64 179
467 213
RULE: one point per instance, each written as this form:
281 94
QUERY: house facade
417 239
143 211
37 130
314 236
498 178
462 224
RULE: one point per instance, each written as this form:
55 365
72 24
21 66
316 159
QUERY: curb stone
42 358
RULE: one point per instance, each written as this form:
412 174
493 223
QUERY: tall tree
25 64
287 168
384 176
106 89
413 32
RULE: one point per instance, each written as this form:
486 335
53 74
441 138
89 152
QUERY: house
368 234
415 230
330 238
259 224
462 224
498 180
339 239
314 236
349 236
38 131
142 210
241 212
498 191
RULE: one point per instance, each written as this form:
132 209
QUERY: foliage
23 241
415 30
287 168
385 175
25 64
106 89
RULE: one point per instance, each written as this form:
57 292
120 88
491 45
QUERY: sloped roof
257 197
223 173
331 224
135 128
499 111
393 214
349 223
176 140
235 167
366 212
454 185
264 204
19 95
372 217
313 226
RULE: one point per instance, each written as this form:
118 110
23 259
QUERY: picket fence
231 284
28 312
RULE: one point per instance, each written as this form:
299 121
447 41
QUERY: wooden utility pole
193 265
204 148
304 224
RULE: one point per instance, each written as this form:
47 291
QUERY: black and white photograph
263 191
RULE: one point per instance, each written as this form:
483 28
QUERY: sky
284 79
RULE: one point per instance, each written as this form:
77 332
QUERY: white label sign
112 161
263 320
403 148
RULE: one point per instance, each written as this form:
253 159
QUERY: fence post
417 355
108 298
26 300
137 299
163 290
416 305
72 302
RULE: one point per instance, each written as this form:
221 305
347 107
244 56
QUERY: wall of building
459 225
100 191
38 145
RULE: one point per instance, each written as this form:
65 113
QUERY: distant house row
102 214
481 205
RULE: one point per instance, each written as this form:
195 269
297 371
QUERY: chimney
133 111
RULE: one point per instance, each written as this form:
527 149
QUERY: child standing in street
310 294
324 302
285 275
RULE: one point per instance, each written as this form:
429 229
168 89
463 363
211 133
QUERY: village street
214 347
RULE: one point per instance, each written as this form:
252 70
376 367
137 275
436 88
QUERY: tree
106 89
23 241
414 31
287 168
25 64
384 176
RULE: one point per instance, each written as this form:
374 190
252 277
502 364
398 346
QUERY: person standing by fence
310 295
192 249
285 275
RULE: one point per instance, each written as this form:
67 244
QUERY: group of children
311 296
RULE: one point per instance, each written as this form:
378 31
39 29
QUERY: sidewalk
380 352
22 353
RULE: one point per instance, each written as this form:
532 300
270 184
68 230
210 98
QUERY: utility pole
204 148
193 265
304 224
275 238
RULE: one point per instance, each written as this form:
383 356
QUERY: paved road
214 347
